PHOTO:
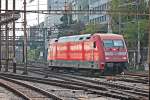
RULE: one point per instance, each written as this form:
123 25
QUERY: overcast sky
31 17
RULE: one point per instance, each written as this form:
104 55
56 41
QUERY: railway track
137 74
26 91
124 78
132 79
113 86
100 89
41 64
91 81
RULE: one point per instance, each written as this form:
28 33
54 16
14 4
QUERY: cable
60 12
35 5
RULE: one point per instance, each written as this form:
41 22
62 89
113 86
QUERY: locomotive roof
87 36
109 35
74 38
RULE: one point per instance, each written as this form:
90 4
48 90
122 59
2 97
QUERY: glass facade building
52 20
101 5
103 18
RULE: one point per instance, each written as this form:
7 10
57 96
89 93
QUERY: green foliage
92 28
33 54
66 19
129 24
73 29
131 31
77 27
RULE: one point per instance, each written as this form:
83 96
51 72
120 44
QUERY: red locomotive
94 52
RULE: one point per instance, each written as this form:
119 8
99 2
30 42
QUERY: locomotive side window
94 45
88 37
81 38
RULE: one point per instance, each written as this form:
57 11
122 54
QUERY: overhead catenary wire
35 5
60 12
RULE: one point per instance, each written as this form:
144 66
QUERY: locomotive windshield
113 43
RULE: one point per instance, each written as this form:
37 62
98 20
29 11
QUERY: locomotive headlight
107 58
124 58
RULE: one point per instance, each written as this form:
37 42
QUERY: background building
103 19
101 5
80 5
74 4
52 20
37 39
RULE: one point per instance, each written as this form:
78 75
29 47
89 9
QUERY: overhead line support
25 41
14 51
7 45
0 37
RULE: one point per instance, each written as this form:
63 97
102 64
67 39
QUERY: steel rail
94 81
137 74
14 91
45 93
111 85
71 78
82 86
39 70
132 79
122 78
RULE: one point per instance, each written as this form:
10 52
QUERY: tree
66 19
77 27
92 28
127 24
131 33
33 54
73 29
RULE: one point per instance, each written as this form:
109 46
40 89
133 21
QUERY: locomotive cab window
118 43
113 43
108 43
